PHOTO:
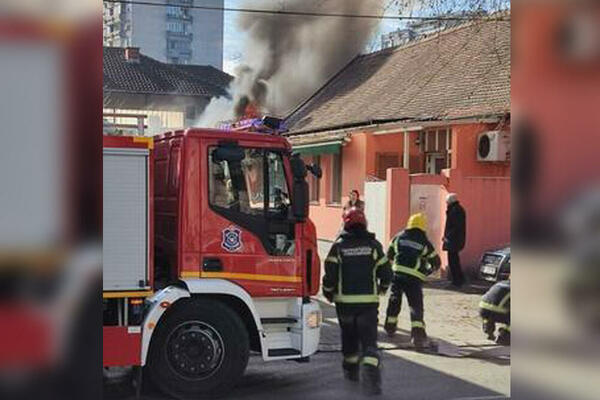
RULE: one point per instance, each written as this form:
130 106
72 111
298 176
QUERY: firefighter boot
351 372
419 339
503 337
489 327
370 380
390 325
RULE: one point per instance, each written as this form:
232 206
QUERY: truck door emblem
232 238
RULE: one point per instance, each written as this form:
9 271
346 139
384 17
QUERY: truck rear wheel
200 349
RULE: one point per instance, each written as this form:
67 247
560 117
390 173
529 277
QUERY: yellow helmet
418 220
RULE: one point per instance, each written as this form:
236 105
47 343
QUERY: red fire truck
208 254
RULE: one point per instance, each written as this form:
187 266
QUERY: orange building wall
464 152
359 161
559 99
486 201
398 200
354 165
389 143
326 216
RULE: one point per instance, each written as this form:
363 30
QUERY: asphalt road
466 372
469 367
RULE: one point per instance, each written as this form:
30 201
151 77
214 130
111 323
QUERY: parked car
495 265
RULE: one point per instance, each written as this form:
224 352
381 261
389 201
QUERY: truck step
283 320
283 352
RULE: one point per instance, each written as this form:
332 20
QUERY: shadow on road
402 378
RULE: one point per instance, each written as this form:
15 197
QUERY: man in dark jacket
356 273
454 237
413 257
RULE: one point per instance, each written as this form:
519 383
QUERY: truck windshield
240 186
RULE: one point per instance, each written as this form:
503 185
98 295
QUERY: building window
437 146
315 192
177 27
173 11
335 196
177 12
386 160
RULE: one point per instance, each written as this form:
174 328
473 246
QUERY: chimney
132 54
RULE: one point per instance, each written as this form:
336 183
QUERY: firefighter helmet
353 217
418 221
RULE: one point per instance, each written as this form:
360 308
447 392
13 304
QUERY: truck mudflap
155 308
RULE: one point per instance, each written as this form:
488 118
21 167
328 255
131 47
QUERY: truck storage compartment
125 234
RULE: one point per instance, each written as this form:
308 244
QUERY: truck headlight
314 319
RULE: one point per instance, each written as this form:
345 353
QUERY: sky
233 39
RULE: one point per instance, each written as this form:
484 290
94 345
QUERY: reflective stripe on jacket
356 268
497 298
411 253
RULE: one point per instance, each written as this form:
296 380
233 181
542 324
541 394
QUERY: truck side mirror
316 170
298 166
300 202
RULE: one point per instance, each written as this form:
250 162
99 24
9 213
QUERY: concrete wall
487 204
427 196
207 45
557 97
149 32
398 200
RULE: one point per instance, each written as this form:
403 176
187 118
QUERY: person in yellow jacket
413 258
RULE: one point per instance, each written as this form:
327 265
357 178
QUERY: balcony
179 35
179 17
179 53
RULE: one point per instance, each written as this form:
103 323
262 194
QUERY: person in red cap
357 272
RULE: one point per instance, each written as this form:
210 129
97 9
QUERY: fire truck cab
208 254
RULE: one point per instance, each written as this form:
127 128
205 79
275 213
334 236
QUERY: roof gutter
400 125
342 127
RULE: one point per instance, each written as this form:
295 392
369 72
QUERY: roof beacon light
268 125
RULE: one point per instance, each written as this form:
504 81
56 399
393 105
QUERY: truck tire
199 350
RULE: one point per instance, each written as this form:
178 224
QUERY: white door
427 199
376 208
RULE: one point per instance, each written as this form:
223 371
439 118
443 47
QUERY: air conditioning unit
493 146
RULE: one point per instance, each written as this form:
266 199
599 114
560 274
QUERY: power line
303 13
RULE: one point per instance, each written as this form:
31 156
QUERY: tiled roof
150 76
461 72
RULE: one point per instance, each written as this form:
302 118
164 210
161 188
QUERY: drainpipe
406 150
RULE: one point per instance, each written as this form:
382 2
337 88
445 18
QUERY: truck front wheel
200 349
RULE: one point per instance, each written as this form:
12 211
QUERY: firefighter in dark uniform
356 273
413 257
494 308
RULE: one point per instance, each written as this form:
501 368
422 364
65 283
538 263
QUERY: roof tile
460 72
